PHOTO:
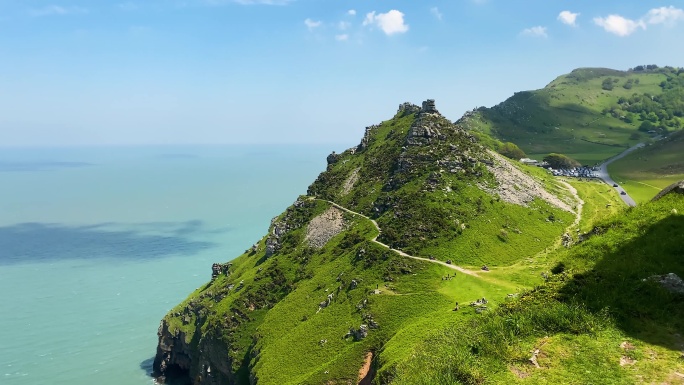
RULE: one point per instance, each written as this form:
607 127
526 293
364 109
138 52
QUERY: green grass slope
424 180
590 114
598 319
428 197
645 172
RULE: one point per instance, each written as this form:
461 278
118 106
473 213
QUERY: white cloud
57 10
537 31
623 26
311 24
351 12
436 13
342 37
664 15
569 18
390 23
369 19
619 25
342 25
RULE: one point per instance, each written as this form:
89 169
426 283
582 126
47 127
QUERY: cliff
365 263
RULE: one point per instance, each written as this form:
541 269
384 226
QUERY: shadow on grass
34 242
618 282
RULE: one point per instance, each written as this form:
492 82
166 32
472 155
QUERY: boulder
670 282
674 188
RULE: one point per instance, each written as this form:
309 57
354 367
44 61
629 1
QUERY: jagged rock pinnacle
429 107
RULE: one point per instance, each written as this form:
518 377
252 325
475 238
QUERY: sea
98 243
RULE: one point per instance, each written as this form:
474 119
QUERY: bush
607 84
511 150
559 161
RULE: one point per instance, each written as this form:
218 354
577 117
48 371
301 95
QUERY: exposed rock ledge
676 188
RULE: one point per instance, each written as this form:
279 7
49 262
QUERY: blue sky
85 72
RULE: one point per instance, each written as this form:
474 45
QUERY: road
604 176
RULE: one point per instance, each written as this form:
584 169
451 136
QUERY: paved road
603 174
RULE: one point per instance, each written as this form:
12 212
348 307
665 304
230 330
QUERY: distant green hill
589 114
646 171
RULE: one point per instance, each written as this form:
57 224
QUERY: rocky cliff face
201 361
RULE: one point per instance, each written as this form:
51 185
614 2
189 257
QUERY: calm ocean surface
97 244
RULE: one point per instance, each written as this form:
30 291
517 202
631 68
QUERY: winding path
580 204
403 254
578 217
604 176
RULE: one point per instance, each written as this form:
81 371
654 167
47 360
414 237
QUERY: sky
86 72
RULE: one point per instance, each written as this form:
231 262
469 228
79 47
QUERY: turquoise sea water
97 244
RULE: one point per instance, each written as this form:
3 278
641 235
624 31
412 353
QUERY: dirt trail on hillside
403 254
580 204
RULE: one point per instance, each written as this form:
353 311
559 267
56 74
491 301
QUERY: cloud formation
436 13
619 25
351 12
342 37
664 15
569 18
311 24
622 26
390 23
537 31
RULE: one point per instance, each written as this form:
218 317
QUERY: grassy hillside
282 312
590 114
645 172
597 317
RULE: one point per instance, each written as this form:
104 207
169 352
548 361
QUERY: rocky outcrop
333 158
670 282
179 361
429 107
219 269
365 141
407 109
174 357
281 226
674 188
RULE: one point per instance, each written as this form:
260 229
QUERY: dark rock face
333 158
174 357
365 141
675 188
219 268
407 109
429 107
177 362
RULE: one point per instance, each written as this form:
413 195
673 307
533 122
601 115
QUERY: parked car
623 193
615 185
